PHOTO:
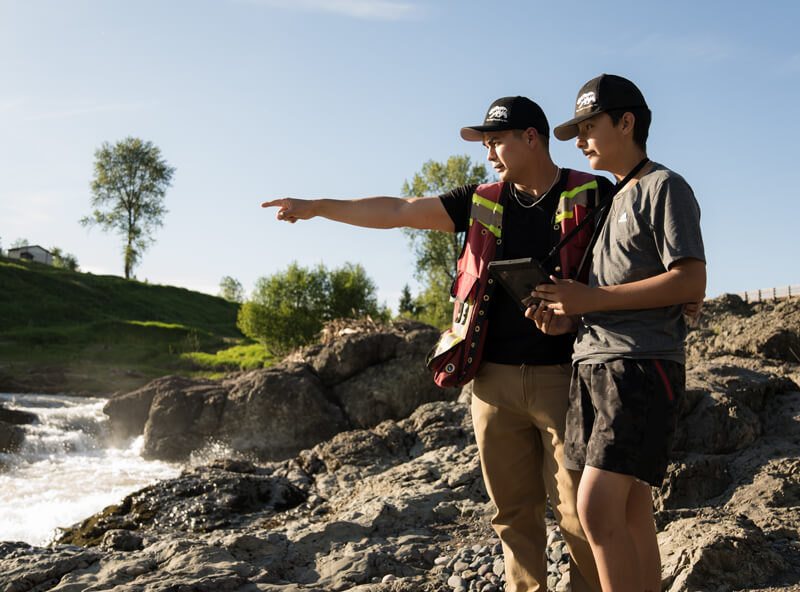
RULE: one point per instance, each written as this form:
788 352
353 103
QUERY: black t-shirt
529 230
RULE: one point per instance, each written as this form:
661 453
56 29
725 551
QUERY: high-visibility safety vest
456 356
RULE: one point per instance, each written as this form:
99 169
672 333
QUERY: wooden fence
771 293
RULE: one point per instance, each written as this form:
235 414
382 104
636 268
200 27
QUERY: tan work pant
518 413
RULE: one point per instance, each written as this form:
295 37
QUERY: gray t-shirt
649 227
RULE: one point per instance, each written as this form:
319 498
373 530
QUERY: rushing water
67 468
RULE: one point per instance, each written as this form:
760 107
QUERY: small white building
31 253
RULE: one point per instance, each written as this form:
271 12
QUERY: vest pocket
452 356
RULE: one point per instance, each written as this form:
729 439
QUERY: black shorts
622 416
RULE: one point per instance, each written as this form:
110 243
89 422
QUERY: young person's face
509 152
600 141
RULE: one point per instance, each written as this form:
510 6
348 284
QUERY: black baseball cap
607 92
506 114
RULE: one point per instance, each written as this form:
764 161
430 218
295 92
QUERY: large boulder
730 326
183 420
729 410
128 412
338 360
275 413
725 553
358 378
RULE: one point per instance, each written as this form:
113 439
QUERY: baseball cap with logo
506 114
607 92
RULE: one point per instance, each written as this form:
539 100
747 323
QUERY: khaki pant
518 413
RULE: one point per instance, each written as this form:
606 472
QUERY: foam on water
67 468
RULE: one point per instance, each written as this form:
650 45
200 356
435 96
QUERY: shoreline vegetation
69 332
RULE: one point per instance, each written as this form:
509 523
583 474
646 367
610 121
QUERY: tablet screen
520 277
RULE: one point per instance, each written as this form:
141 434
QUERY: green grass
35 295
64 331
238 357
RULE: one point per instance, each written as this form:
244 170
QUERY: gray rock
128 412
390 391
183 420
11 437
730 552
499 567
337 361
261 415
718 425
16 416
30 568
357 381
122 540
692 481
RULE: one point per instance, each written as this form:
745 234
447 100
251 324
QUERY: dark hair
641 125
545 140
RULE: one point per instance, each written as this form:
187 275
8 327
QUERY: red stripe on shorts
664 378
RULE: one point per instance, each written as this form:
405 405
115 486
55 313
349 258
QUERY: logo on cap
585 101
497 113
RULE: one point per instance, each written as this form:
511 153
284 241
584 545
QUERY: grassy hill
63 331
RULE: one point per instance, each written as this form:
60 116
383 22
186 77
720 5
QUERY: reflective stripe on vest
566 210
487 213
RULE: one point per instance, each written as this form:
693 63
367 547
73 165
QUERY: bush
289 308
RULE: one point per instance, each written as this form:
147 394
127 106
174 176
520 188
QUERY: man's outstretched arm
371 212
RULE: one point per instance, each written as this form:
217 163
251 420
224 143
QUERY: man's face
599 141
509 152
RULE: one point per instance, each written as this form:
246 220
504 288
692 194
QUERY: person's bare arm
684 282
371 212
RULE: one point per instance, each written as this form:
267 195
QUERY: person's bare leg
642 527
603 510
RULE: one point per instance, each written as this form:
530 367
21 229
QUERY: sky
251 100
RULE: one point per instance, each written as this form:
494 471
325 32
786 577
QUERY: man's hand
291 209
380 211
691 312
567 297
692 309
550 323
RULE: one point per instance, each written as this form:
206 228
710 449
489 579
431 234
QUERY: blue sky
257 99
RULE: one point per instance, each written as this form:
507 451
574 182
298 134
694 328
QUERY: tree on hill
288 309
437 252
231 289
130 182
64 260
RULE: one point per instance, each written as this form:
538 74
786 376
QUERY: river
68 467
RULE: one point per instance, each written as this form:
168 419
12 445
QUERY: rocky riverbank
395 503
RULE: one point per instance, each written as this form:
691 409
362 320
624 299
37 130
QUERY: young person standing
628 376
520 389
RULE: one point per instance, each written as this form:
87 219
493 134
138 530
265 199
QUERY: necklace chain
537 201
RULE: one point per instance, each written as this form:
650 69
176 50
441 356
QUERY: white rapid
67 468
